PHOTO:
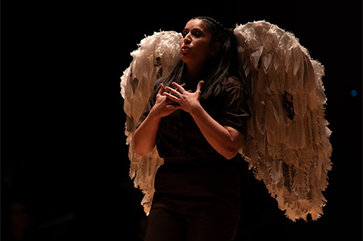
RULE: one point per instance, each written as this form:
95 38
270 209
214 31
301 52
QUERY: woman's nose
187 38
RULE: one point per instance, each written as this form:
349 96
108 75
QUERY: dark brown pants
195 202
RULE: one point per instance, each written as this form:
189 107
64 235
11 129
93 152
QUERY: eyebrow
199 29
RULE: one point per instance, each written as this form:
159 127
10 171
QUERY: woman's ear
215 48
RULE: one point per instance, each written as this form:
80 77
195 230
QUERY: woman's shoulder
233 82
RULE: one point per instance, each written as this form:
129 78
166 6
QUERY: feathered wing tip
287 142
155 57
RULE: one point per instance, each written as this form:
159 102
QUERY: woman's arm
224 139
145 134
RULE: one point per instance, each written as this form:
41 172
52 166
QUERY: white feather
298 144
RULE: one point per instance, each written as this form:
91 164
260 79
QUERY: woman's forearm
225 140
145 134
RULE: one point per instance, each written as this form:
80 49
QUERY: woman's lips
184 49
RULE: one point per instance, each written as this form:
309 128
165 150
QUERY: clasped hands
168 99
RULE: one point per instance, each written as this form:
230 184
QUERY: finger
199 86
161 90
179 87
173 107
171 97
173 91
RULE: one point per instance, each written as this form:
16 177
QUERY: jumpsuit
197 190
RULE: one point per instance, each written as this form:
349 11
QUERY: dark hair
219 67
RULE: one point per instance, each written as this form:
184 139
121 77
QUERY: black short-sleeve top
178 135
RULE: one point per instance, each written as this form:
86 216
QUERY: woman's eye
197 34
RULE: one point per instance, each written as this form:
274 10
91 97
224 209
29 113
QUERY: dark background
63 150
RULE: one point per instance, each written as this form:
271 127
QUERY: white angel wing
287 142
156 56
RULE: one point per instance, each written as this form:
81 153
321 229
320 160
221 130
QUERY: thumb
199 86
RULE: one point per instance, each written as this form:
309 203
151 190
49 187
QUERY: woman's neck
193 73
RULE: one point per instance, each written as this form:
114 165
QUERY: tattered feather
287 142
155 57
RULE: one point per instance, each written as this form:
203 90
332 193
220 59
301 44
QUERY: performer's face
196 44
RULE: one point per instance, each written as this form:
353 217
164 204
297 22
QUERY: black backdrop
63 147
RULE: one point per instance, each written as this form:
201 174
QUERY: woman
196 118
